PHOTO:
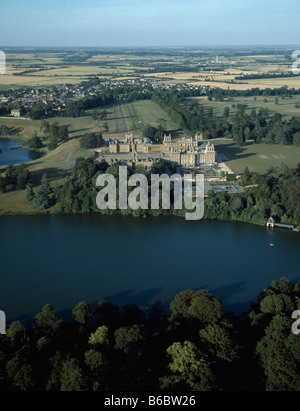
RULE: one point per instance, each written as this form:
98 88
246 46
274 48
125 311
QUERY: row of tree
260 125
193 346
276 194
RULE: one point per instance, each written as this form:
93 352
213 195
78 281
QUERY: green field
285 106
257 157
137 114
56 163
140 113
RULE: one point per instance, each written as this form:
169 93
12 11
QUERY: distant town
52 100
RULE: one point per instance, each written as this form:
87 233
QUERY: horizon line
161 46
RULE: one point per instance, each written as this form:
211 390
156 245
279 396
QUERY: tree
82 313
105 127
218 343
22 176
199 305
41 200
15 333
236 204
91 140
130 339
296 138
53 143
72 377
279 353
99 337
246 175
63 133
37 113
4 131
74 109
96 361
35 141
276 303
45 127
188 362
247 133
240 137
47 321
45 184
20 372
226 112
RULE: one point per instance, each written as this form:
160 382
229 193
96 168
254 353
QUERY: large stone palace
186 152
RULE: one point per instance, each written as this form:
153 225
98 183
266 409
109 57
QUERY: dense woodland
276 193
193 346
260 125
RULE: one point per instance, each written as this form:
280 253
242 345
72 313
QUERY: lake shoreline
46 212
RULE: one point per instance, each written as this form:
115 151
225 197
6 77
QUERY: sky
145 23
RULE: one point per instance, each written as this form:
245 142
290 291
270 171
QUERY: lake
62 260
11 152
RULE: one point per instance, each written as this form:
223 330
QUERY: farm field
71 66
257 157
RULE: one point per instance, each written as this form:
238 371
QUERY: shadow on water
225 292
141 298
146 297
121 299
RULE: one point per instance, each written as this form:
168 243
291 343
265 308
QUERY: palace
186 152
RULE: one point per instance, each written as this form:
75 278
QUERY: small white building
15 112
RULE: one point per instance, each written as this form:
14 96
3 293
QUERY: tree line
260 125
275 194
193 346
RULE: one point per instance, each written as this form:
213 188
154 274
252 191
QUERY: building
15 112
187 152
130 145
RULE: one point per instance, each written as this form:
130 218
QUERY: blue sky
149 22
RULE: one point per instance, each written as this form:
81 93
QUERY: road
123 117
58 163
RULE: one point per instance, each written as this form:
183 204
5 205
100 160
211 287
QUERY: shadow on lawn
233 152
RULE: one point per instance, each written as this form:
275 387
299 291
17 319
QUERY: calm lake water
11 152
62 260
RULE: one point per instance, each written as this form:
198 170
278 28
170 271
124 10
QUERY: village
53 100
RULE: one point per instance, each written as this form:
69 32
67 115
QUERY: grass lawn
285 106
137 115
54 163
148 112
257 157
